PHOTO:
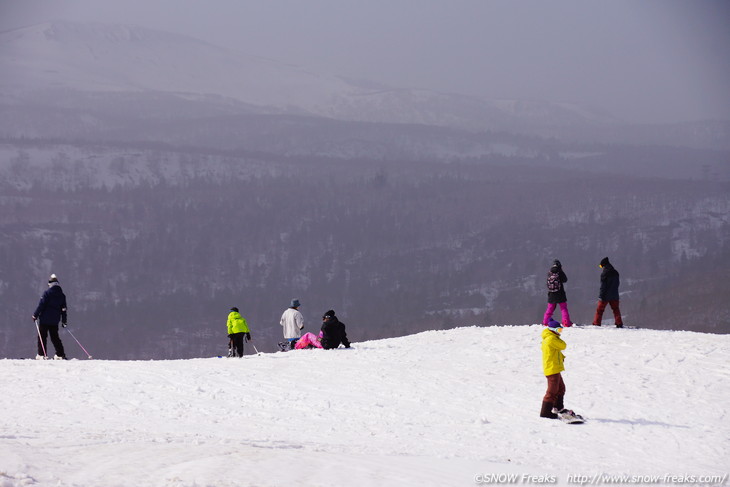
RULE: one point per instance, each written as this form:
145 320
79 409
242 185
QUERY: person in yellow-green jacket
552 365
237 330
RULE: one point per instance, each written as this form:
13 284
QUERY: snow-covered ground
441 408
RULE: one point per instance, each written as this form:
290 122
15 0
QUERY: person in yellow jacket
237 330
552 365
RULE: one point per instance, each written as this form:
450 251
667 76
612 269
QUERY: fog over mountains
165 180
126 59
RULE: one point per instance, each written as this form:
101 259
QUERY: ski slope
440 408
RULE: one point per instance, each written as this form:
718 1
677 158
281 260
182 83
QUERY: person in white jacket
292 322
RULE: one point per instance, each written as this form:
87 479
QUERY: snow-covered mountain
441 408
116 58
101 58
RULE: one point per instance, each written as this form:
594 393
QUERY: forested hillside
154 246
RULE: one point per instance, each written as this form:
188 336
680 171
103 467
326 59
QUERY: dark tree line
152 267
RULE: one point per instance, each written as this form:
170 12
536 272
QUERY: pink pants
563 312
307 340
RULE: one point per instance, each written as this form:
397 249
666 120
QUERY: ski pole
254 346
40 339
77 341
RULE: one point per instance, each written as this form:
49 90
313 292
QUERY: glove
248 337
64 325
230 335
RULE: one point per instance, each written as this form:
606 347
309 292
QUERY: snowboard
569 417
287 346
590 325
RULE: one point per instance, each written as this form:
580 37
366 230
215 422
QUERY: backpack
553 282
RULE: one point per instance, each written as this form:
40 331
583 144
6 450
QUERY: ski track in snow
435 408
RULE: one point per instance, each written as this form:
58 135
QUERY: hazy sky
642 60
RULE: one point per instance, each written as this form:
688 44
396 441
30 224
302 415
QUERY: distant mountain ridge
93 57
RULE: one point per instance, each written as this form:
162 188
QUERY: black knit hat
604 262
234 309
329 314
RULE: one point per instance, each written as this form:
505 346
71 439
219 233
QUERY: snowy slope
435 409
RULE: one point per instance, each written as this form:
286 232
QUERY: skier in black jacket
51 309
608 295
333 332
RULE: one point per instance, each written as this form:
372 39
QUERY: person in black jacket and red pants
51 309
608 295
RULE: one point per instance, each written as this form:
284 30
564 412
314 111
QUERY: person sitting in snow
333 332
237 331
552 365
